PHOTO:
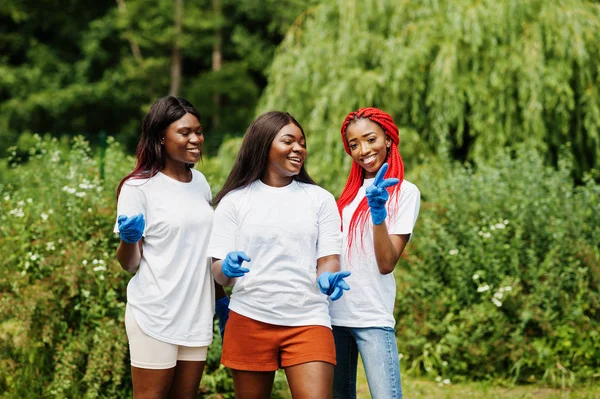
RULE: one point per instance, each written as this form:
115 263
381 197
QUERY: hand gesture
232 264
333 284
377 194
131 228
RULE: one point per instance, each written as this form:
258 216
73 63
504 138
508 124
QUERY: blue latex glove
222 312
377 195
232 264
131 228
333 284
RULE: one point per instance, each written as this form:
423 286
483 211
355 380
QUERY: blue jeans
379 353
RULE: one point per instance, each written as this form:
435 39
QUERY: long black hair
253 158
150 153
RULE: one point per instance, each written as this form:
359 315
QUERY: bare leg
151 384
311 380
253 384
186 380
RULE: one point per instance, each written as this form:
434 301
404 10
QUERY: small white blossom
400 355
34 257
438 378
498 295
69 190
101 277
487 235
500 226
51 211
476 276
447 381
505 221
507 288
99 268
84 262
89 210
80 194
44 216
21 203
496 302
453 252
7 197
29 200
95 262
444 363
50 246
492 227
427 368
483 288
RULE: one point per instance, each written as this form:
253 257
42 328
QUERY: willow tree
467 76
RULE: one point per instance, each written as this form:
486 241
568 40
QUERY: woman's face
287 153
183 140
368 145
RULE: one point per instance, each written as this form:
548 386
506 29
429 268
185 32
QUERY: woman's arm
218 275
129 255
330 263
388 248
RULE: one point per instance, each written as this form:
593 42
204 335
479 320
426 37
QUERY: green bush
503 275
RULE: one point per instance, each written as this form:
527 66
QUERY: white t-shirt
172 293
370 301
284 230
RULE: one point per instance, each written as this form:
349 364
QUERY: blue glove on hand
377 195
333 284
232 264
222 312
131 228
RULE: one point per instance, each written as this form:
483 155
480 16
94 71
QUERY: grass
423 389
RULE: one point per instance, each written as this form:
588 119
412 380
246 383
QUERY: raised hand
131 228
377 194
232 264
333 284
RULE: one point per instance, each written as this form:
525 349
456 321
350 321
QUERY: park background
498 105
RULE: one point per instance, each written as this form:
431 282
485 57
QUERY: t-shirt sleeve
132 201
329 241
225 226
406 213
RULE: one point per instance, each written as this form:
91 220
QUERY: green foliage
86 68
503 274
467 76
62 293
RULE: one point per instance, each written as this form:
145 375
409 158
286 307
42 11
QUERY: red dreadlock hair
357 173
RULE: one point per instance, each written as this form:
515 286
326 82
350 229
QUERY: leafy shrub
504 273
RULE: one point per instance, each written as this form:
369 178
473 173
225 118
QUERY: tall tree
468 76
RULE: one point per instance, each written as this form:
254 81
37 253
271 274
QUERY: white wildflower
29 200
99 268
438 378
44 216
102 277
84 262
505 221
492 227
50 246
453 252
95 262
498 295
483 288
507 288
444 363
51 211
496 302
476 276
80 194
447 381
34 257
500 226
487 235
21 203
7 197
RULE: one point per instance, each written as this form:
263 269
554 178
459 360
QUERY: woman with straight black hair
164 223
277 240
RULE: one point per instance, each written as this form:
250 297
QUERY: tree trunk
176 58
217 59
135 49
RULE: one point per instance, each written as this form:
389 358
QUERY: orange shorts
251 345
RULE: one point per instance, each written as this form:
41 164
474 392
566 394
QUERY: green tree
467 76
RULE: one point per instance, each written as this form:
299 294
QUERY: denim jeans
379 353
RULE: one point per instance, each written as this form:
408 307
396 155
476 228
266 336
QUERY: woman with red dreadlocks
378 209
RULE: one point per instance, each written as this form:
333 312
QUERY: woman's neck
181 174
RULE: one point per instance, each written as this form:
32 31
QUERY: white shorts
150 353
